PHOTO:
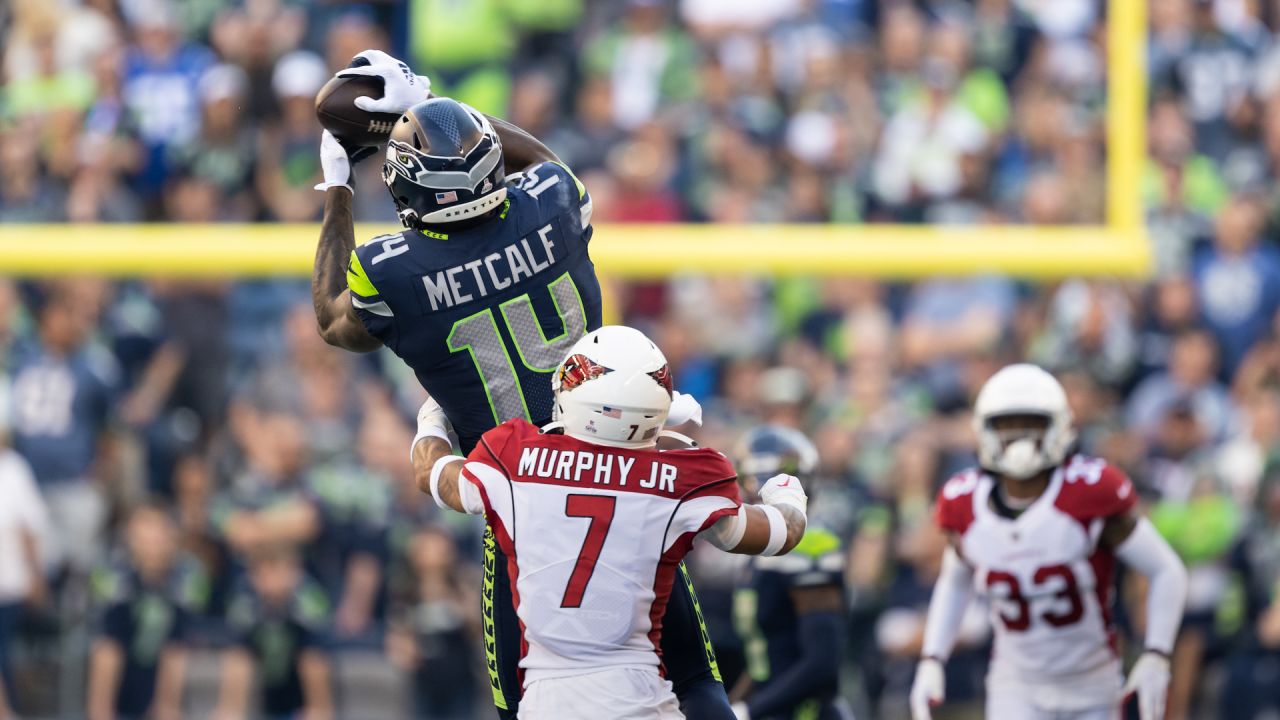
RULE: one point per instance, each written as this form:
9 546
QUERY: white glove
928 690
740 711
401 89
1149 678
684 409
785 489
432 422
335 162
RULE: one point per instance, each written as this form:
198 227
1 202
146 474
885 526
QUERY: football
337 111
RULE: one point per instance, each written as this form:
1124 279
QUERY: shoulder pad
701 466
954 508
1092 488
499 445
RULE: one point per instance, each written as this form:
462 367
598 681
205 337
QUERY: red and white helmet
1022 389
614 388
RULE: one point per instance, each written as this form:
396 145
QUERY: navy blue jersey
143 619
61 405
485 313
276 637
766 618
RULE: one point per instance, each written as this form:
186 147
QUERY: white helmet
614 388
1022 389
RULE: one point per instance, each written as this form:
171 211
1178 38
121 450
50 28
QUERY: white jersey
1047 580
593 536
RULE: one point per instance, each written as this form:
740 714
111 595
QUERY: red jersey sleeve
708 488
1091 488
953 510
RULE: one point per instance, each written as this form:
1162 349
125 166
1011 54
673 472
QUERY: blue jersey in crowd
60 408
485 313
793 659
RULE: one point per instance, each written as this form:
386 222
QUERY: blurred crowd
190 467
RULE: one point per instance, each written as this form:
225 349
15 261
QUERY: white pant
1003 704
77 516
626 693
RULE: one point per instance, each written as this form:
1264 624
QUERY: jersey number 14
478 334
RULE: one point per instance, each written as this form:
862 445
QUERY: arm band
424 433
1148 553
777 529
435 479
727 532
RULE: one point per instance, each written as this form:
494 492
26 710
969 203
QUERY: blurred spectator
433 634
288 161
24 532
63 390
1190 382
138 660
161 89
1238 282
926 140
223 153
465 48
277 620
948 320
647 61
264 504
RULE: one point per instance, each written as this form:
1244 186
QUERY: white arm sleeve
946 608
727 532
1148 553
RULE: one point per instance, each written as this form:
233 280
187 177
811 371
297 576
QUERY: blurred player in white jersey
1037 531
594 521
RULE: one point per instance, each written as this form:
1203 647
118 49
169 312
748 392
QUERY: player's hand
401 89
1149 680
432 422
684 409
785 489
336 161
929 689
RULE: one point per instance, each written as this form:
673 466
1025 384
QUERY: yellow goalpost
1119 247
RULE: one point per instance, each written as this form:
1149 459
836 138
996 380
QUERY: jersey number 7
600 509
478 334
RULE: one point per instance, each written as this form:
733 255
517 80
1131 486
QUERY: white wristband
777 530
435 478
432 431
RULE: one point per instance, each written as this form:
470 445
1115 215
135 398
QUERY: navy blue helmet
444 164
772 449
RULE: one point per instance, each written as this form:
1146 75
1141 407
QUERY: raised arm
335 315
520 150
770 528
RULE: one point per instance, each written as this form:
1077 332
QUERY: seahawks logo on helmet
405 161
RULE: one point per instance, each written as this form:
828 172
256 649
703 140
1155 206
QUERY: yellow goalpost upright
1119 247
